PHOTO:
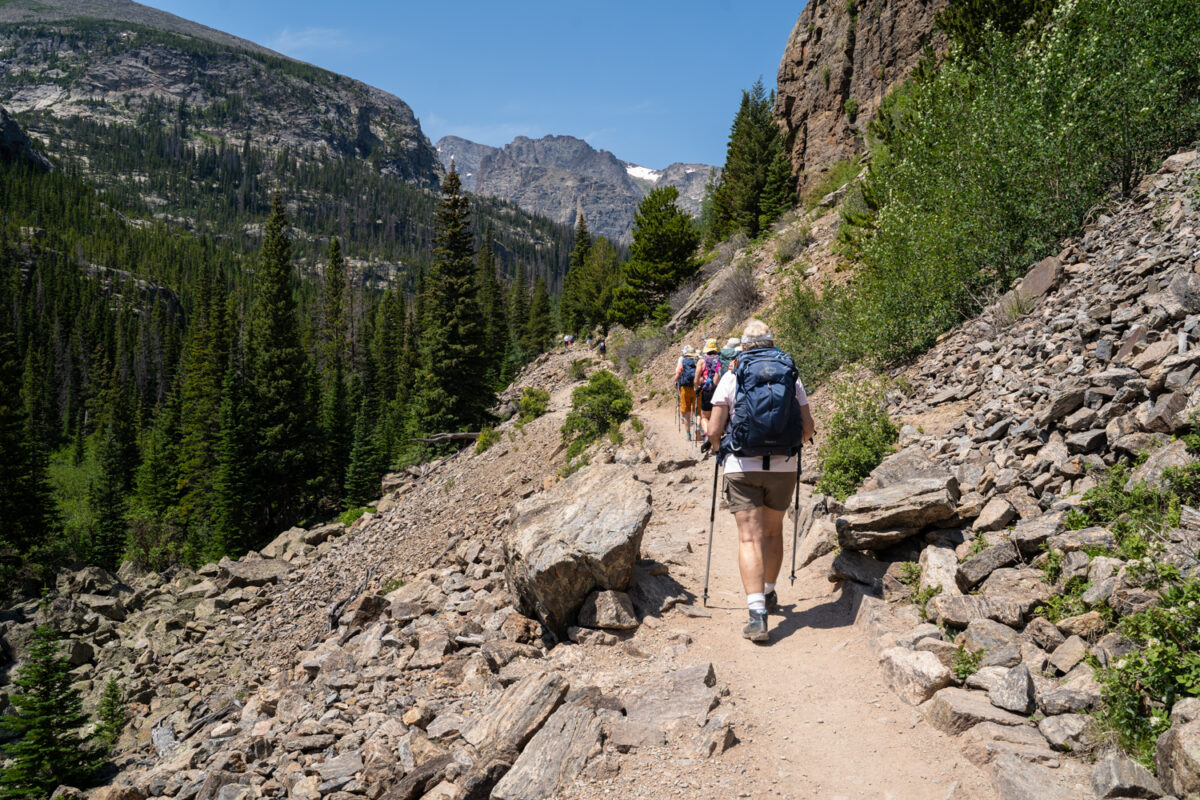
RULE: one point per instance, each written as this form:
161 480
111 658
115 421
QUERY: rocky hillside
557 176
107 61
15 145
843 57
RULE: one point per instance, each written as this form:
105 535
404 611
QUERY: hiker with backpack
759 420
708 375
685 378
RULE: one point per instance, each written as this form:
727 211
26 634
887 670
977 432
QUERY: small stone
914 675
1065 731
608 609
1118 775
1015 693
1068 654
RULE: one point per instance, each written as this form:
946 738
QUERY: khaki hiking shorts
746 491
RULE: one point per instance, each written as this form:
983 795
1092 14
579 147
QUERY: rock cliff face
101 61
843 53
15 145
557 175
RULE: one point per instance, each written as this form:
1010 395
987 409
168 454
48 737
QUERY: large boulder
582 535
1178 758
895 511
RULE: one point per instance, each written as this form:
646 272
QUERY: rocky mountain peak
557 175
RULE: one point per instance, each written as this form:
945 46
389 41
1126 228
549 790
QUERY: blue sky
654 82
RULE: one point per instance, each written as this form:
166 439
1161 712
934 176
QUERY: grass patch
487 437
352 515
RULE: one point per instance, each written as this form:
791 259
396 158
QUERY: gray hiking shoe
756 631
772 602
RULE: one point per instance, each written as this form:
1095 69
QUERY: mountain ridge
557 175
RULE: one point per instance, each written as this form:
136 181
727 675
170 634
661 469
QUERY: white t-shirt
726 395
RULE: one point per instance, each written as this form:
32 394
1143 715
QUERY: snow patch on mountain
643 173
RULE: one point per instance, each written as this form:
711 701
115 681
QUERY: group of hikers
746 403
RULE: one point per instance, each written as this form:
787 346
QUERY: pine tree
365 469
492 305
26 499
779 191
574 302
281 419
539 331
662 255
109 492
755 144
48 749
452 392
232 506
111 717
334 411
156 492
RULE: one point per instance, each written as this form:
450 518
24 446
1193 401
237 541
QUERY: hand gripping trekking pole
712 516
796 514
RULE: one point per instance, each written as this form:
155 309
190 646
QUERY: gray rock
995 515
1177 756
962 610
581 535
344 766
1064 700
909 464
1068 654
1030 535
910 505
1118 775
608 609
987 741
1151 471
1016 779
683 696
978 567
518 714
860 568
1060 406
1015 693
986 634
1042 278
715 737
1065 731
1044 633
625 735
953 710
554 756
250 572
939 569
914 675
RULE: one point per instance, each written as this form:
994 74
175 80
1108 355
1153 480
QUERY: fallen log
447 437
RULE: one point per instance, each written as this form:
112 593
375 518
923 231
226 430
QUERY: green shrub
597 407
637 424
579 368
859 436
1140 689
966 663
851 109
487 437
839 174
532 405
350 516
111 715
792 242
982 167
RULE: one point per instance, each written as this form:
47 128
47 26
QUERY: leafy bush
579 368
818 330
851 109
532 405
487 437
1140 689
350 516
792 242
859 436
981 168
839 174
597 407
966 663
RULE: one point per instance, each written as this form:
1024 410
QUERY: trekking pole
712 517
796 514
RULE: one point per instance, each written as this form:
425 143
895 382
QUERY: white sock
768 588
757 601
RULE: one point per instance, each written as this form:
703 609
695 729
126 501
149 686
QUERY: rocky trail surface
498 630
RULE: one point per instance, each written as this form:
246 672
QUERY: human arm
716 425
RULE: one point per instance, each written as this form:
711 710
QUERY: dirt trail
813 714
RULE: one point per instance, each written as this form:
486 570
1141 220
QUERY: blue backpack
689 373
767 419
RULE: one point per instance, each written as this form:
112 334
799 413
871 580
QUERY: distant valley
558 176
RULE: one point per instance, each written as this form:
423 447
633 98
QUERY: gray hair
757 334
